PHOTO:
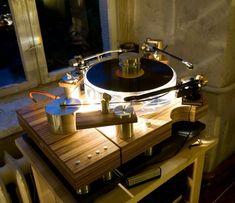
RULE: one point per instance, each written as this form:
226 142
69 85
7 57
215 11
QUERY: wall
201 32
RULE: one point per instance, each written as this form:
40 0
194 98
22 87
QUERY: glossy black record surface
104 75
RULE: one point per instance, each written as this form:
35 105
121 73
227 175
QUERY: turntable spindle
129 64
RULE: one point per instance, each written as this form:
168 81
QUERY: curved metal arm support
78 60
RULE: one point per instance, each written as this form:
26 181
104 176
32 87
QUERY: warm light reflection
94 94
88 107
37 40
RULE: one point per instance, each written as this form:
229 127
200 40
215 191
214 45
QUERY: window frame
29 38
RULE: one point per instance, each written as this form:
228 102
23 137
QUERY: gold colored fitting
158 43
105 103
202 80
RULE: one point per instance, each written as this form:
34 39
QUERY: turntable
117 130
122 79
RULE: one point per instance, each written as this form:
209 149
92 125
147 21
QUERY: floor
219 186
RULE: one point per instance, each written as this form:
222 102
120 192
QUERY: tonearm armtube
79 60
188 89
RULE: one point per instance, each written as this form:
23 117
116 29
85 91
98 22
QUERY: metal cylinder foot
149 152
83 190
107 176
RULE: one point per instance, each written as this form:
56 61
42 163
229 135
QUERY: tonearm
80 61
148 46
188 90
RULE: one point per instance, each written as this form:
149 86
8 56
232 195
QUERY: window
11 67
68 28
49 33
17 63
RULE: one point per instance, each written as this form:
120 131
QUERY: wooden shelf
187 157
47 181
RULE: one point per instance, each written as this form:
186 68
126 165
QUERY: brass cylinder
61 118
124 131
73 91
71 82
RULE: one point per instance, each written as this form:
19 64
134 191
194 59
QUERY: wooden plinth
100 150
81 157
151 129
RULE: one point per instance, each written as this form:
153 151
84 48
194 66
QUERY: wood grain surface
97 118
153 128
99 150
75 155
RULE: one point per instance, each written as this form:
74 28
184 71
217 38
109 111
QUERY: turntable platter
103 77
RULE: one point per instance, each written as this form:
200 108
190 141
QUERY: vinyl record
104 75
